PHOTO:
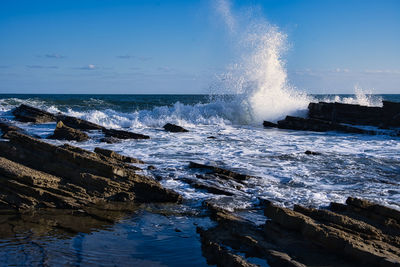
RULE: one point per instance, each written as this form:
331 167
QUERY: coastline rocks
63 132
26 113
174 128
308 152
115 155
77 123
317 125
357 234
219 172
120 134
35 174
269 124
6 126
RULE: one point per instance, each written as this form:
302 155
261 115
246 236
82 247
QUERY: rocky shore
57 184
323 117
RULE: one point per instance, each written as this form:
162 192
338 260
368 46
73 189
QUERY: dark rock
174 128
151 168
115 155
308 152
212 137
270 124
208 187
63 132
6 126
110 140
317 125
26 113
38 174
221 173
77 123
120 134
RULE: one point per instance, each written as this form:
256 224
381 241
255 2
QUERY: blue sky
98 46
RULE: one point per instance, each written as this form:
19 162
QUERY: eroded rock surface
37 174
63 132
26 113
360 233
219 172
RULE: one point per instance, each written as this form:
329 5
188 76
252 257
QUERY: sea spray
259 79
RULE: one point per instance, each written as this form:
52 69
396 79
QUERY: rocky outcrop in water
219 172
357 234
174 128
6 126
26 113
63 132
323 117
35 174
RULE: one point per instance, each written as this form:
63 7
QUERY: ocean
364 166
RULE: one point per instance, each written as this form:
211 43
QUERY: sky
169 47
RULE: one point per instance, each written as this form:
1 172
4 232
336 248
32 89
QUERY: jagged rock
270 124
115 155
338 234
6 126
221 173
208 187
63 132
308 152
77 123
120 134
44 175
317 125
174 128
26 113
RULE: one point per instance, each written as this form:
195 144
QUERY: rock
207 187
211 137
115 155
26 113
270 124
110 140
6 126
63 132
77 123
221 173
120 134
36 174
308 152
174 128
151 168
317 125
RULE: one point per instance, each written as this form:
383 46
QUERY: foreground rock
174 128
63 132
220 172
35 174
360 233
120 134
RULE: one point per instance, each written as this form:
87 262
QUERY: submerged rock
308 152
174 128
63 132
36 174
26 113
220 172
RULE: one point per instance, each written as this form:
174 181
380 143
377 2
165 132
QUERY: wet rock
317 125
308 152
270 124
37 174
26 113
151 168
110 140
120 134
77 123
221 173
211 137
6 126
115 155
207 187
174 128
63 132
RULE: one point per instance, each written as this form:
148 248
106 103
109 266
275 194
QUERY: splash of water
259 79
